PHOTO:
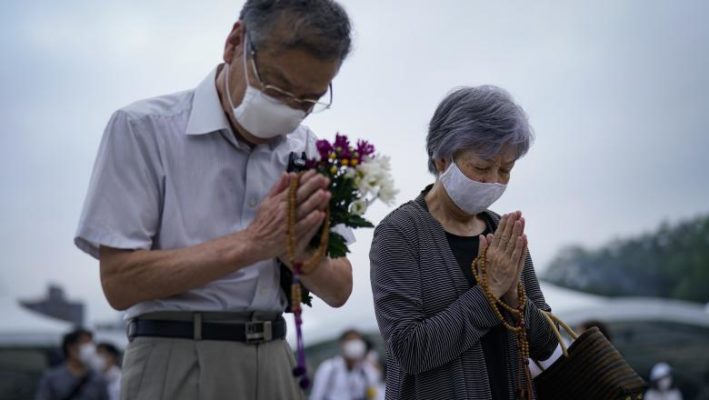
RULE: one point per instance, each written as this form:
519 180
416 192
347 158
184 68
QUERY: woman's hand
506 252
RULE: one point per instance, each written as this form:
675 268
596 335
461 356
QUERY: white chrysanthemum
358 207
387 193
368 185
351 173
376 179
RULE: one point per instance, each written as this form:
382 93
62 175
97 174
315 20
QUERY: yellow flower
333 170
345 162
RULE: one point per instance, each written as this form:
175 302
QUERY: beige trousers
176 369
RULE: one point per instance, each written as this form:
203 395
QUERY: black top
465 249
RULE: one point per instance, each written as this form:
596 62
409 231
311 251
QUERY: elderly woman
443 330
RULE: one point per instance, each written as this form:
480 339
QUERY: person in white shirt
661 384
186 210
349 376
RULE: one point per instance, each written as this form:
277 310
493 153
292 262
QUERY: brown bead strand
300 371
481 263
321 251
479 269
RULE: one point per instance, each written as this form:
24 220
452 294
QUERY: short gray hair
483 119
319 27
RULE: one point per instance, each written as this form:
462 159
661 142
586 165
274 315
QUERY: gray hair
483 119
320 27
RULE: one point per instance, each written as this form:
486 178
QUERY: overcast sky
617 93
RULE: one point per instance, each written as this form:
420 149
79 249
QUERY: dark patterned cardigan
431 320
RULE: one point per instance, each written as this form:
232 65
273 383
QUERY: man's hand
268 230
128 276
131 276
313 199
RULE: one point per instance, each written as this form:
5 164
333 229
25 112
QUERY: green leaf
337 246
356 221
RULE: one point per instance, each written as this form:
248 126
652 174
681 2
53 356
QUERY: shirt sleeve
541 337
123 202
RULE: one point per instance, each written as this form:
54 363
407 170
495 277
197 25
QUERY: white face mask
469 195
99 363
87 352
260 114
354 349
665 383
90 358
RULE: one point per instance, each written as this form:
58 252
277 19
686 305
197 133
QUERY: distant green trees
672 262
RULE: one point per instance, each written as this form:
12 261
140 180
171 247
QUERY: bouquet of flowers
358 176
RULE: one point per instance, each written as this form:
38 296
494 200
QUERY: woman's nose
492 176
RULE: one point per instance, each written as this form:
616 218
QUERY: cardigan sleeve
417 341
542 340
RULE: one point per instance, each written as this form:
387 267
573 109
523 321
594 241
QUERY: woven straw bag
589 369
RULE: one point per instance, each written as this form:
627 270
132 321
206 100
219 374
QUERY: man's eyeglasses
284 96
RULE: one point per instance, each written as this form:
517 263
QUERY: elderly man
186 210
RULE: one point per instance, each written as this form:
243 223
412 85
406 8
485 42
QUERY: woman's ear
441 165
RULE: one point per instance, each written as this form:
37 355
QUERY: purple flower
342 142
364 148
324 148
345 153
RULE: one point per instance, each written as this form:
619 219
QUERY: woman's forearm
420 345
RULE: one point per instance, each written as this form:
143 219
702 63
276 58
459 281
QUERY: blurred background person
111 368
78 377
349 376
661 384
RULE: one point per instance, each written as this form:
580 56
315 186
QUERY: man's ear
234 44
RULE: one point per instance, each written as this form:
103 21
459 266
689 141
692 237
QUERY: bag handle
553 320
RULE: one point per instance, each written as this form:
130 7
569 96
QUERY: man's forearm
331 281
131 276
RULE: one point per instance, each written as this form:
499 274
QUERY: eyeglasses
284 96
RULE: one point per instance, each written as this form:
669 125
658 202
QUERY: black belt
249 332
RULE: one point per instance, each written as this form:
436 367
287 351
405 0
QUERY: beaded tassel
300 371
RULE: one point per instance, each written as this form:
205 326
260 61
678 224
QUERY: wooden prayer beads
479 268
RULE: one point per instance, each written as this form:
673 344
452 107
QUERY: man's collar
207 115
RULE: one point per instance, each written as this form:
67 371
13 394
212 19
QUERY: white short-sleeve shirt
171 174
333 381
